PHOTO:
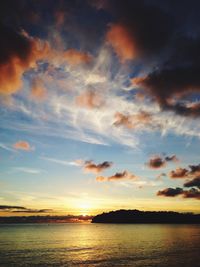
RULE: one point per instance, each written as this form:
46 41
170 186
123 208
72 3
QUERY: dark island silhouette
137 216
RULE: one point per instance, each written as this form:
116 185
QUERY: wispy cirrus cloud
38 90
90 99
6 147
75 57
63 162
27 170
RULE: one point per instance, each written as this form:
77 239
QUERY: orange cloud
121 41
38 90
22 145
90 166
179 173
89 99
138 80
75 57
21 52
125 175
101 179
19 57
132 121
192 172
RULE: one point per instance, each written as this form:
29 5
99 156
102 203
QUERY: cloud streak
63 162
21 209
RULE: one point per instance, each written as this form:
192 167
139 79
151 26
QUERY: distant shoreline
112 217
45 219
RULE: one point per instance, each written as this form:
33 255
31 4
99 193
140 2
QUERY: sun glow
85 206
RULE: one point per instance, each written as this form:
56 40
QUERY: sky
99 106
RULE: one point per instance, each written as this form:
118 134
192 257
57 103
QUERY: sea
87 244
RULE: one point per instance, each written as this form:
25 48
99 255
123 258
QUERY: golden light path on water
100 245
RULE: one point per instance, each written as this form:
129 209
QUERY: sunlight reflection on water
99 245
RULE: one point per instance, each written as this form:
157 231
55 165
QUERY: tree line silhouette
137 216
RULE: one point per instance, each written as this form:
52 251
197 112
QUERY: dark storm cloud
148 26
179 73
34 16
169 32
166 83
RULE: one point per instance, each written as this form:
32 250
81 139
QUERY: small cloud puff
125 175
157 162
90 166
22 145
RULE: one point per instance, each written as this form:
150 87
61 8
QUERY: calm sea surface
100 245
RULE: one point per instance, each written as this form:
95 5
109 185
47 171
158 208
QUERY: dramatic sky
99 106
